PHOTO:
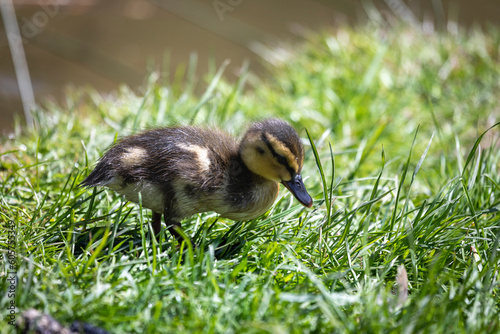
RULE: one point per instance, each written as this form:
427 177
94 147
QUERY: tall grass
402 160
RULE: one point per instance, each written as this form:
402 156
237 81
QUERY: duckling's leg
156 223
174 227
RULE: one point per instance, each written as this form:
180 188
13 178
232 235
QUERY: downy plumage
184 170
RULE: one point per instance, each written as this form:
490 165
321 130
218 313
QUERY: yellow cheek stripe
281 149
259 165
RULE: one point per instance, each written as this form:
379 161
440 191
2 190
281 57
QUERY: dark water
104 43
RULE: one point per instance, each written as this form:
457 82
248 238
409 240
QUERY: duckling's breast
250 204
242 195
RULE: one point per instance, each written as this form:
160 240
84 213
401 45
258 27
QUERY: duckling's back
158 162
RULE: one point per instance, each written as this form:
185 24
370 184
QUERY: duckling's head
272 149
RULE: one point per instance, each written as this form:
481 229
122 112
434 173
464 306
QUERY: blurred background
103 44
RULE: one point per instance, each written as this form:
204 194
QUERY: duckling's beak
297 188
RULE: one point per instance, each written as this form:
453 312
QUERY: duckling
183 170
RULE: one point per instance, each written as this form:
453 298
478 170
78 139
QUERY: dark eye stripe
281 159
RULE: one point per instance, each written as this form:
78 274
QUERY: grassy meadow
401 134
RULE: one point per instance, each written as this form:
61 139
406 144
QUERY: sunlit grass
395 161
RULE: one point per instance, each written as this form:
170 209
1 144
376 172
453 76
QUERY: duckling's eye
282 160
260 150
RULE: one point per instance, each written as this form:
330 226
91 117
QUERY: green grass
395 161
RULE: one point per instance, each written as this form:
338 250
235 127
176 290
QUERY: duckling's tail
100 176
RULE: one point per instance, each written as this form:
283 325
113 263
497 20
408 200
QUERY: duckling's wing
132 159
162 155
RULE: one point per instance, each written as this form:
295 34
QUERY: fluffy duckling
183 170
